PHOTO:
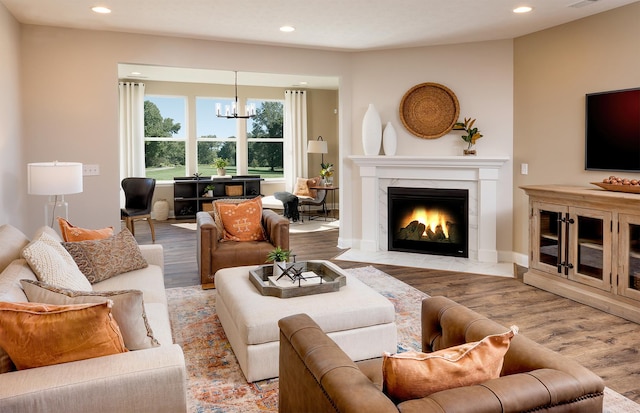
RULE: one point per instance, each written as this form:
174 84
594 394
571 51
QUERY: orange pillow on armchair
243 221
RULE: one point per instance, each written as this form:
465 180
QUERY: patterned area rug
215 382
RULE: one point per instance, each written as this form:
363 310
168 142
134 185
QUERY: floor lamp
55 179
318 146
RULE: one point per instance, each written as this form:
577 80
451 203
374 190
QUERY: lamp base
55 207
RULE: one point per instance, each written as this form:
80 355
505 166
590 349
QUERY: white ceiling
344 25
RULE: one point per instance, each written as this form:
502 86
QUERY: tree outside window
165 143
265 139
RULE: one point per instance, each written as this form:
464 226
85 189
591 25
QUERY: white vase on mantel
389 140
371 131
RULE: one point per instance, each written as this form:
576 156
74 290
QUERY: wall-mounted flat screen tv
613 131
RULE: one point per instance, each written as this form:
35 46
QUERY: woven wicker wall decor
429 110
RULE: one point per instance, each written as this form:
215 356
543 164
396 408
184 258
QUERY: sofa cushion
128 309
10 290
12 241
71 233
413 375
38 335
243 221
53 264
104 258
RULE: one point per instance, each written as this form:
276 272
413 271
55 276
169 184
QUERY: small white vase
278 268
389 140
371 131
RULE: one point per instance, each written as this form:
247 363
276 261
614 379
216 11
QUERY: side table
331 190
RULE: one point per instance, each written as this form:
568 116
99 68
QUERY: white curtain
131 129
295 137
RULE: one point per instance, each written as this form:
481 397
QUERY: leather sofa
214 254
315 375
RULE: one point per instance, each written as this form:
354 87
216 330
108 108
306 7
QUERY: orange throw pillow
413 375
36 335
73 234
243 221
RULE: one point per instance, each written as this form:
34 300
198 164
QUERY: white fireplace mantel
478 174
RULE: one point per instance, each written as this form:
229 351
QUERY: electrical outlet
90 170
524 169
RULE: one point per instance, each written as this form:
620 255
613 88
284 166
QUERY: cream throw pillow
53 264
128 309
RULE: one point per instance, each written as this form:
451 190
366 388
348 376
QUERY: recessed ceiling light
287 29
101 10
523 9
136 73
303 83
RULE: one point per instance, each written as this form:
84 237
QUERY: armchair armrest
276 228
207 242
316 375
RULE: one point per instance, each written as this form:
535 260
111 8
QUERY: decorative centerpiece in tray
618 184
298 279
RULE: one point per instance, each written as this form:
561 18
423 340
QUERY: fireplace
428 220
479 175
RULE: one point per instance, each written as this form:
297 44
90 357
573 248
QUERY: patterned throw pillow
413 375
71 233
217 219
104 258
38 335
52 263
128 309
243 221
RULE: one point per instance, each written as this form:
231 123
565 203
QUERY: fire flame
430 218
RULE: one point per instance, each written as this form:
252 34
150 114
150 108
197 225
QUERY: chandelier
231 111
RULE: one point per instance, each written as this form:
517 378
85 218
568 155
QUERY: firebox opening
428 220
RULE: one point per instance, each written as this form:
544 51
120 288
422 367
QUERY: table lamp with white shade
55 179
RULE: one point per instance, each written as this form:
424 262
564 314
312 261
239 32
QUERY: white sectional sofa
147 380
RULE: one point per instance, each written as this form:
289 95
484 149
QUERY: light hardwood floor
606 344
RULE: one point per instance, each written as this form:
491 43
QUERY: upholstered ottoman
357 318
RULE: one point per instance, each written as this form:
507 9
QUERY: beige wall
481 76
553 71
321 121
70 89
13 184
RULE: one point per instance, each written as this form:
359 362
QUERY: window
265 139
165 136
215 137
171 149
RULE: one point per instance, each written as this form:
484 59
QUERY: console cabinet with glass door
585 245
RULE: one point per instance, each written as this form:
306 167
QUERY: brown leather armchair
316 375
213 254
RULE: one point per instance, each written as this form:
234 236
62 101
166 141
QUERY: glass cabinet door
590 247
629 257
546 237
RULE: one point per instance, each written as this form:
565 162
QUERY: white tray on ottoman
357 318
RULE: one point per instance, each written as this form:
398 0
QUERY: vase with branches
472 134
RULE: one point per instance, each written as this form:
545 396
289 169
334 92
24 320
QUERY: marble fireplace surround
478 174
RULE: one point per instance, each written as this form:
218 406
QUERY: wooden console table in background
584 244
